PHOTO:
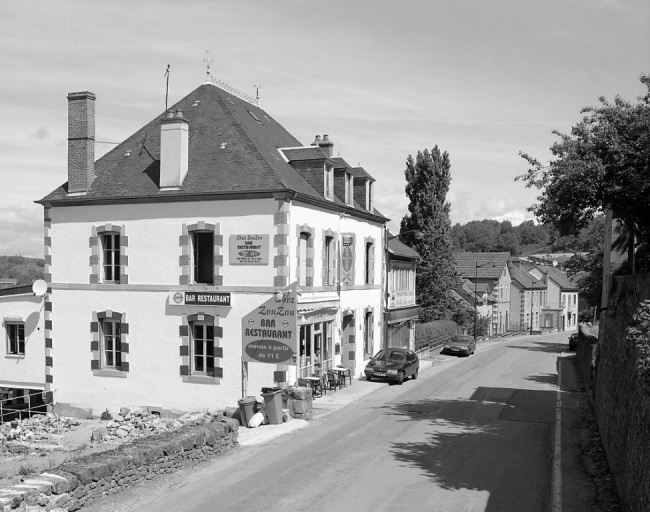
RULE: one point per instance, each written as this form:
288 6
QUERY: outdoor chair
333 380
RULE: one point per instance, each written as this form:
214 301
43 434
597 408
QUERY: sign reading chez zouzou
269 332
347 259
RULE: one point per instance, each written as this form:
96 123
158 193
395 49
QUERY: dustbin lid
271 390
247 400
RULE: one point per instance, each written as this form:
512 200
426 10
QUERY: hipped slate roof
519 274
233 148
490 264
559 277
397 248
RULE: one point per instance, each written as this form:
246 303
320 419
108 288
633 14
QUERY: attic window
255 117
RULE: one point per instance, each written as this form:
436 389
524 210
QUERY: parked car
393 364
573 341
460 344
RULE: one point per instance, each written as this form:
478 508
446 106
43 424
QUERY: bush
106 415
433 334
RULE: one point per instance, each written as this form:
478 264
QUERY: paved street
471 434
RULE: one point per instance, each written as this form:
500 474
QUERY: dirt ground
61 447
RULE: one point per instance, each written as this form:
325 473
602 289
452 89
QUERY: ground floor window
202 348
315 348
111 344
15 338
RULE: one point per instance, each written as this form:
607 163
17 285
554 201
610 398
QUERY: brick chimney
327 146
81 141
174 149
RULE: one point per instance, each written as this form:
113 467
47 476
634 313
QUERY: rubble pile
41 429
130 425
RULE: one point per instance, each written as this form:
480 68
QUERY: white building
168 255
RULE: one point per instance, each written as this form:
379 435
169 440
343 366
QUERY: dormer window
348 188
329 183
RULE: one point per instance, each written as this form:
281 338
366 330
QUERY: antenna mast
167 89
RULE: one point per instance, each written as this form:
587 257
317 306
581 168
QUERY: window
110 257
202 346
111 344
15 338
203 257
329 261
370 263
302 259
329 182
348 188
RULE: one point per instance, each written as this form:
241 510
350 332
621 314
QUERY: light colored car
394 364
460 345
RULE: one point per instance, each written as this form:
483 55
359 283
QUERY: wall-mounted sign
347 259
184 298
269 332
249 249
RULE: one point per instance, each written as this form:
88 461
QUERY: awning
402 315
318 308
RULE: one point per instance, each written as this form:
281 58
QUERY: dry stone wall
622 394
73 485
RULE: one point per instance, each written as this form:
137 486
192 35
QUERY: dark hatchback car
394 364
573 341
460 345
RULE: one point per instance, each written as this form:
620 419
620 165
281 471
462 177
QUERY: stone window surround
185 259
95 260
309 271
96 344
185 349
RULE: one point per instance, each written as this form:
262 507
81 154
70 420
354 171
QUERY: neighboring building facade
489 272
401 312
22 354
527 297
208 225
560 305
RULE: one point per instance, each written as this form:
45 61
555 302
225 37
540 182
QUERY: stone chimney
327 146
81 141
174 149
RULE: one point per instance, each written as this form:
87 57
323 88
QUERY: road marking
556 480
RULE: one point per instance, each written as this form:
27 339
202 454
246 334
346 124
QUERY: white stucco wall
28 371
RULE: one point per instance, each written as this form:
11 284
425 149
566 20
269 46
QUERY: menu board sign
249 249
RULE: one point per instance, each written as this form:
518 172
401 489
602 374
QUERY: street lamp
476 267
532 294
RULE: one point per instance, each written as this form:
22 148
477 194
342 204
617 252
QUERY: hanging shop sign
347 259
269 332
191 298
249 249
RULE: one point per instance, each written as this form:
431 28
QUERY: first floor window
15 338
111 344
111 257
203 256
202 348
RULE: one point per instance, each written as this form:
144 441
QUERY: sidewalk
335 400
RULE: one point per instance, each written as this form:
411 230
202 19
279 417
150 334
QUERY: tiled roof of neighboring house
304 153
490 264
360 172
397 248
519 274
559 277
234 147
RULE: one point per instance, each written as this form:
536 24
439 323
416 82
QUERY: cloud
21 231
42 133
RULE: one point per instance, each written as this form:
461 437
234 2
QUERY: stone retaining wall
72 485
622 395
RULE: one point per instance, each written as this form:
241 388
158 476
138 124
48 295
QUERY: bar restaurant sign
269 332
249 249
192 298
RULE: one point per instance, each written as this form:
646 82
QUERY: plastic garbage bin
273 403
247 409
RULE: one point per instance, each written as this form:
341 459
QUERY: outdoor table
343 373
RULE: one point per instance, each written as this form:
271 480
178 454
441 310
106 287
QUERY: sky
384 79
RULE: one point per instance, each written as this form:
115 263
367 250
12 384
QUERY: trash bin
273 403
247 409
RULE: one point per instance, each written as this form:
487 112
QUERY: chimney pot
316 141
179 114
169 114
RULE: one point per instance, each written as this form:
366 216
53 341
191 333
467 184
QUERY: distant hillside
24 270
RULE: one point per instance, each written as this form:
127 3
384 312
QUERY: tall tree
427 230
603 163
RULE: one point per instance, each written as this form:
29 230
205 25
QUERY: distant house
527 298
401 309
560 304
488 272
